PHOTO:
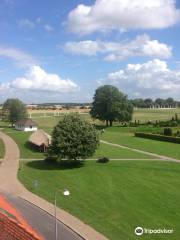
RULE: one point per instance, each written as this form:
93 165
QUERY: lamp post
65 192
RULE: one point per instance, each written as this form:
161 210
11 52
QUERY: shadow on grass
59 165
32 147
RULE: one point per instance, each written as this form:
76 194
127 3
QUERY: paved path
9 184
34 216
157 156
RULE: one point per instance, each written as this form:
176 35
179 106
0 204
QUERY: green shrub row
158 137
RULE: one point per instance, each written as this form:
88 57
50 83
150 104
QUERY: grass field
2 150
21 138
125 136
116 134
155 114
139 114
114 198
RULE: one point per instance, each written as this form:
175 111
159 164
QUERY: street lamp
66 193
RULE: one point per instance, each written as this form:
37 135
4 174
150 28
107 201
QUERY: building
26 125
13 226
40 140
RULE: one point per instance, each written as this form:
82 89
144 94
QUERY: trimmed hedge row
158 137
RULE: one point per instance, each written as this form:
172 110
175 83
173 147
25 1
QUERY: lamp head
66 192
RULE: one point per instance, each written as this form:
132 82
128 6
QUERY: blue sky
61 51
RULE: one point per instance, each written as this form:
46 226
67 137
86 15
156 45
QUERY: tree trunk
111 123
106 123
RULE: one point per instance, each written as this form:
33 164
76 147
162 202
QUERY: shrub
103 160
168 131
158 137
173 124
178 133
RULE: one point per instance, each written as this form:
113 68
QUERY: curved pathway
9 184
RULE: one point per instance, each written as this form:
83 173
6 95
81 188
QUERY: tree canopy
73 138
158 102
14 110
109 104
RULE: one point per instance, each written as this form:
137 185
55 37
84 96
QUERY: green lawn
2 150
21 138
119 135
114 198
125 136
115 152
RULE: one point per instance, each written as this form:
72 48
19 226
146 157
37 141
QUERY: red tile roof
12 224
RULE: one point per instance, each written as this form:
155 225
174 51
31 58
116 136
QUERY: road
41 221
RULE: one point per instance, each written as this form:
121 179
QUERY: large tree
73 138
14 110
111 105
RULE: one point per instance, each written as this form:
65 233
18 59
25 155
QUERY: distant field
48 123
139 114
114 198
155 114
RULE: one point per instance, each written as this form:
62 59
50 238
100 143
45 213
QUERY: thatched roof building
40 139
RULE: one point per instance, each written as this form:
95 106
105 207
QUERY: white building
26 125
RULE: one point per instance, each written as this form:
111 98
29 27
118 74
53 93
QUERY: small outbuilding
26 125
40 140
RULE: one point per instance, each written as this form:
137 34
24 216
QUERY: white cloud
153 78
88 47
26 23
114 51
107 15
48 28
39 80
21 58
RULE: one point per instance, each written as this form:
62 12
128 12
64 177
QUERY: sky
62 50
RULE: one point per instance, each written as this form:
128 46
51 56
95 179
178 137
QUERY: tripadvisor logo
139 231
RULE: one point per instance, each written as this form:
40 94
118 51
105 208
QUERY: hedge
158 137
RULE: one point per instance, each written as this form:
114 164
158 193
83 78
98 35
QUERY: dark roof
26 122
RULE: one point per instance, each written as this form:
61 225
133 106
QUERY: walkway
9 184
156 156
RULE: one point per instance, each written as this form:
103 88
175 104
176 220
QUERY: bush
178 133
168 132
173 124
167 124
103 160
158 137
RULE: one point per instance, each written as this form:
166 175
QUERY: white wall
25 129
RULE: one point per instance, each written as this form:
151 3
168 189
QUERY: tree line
157 103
